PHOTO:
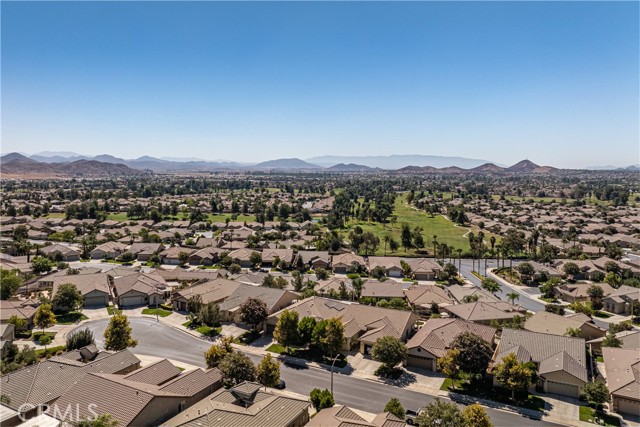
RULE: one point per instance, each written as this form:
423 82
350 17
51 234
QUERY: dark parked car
281 385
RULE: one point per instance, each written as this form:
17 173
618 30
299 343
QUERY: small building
314 259
246 404
140 289
93 287
108 250
619 301
622 368
347 263
60 252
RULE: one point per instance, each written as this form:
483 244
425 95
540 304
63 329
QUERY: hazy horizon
553 82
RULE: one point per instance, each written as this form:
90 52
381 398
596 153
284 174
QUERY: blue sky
554 82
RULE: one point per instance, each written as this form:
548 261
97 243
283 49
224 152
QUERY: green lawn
445 230
70 318
588 414
223 217
120 216
602 314
484 389
276 348
160 311
204 329
50 351
55 215
113 310
600 359
631 322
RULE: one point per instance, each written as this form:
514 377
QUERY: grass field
447 231
70 318
589 415
120 216
160 311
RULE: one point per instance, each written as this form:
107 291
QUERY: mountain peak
523 166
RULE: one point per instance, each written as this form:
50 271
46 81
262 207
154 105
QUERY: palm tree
459 259
513 296
435 247
386 241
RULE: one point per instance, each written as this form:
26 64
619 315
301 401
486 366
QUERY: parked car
281 385
411 415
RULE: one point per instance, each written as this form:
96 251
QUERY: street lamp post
332 364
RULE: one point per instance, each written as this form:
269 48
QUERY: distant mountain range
58 162
15 164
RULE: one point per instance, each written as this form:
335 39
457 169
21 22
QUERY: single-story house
458 293
561 361
60 252
314 259
630 340
215 290
246 404
24 309
574 292
108 250
7 336
423 268
391 265
485 312
435 337
332 286
422 297
382 290
347 262
343 416
243 257
205 256
144 251
622 368
171 256
93 287
140 289
269 256
620 300
551 323
275 299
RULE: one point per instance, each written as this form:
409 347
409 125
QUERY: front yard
159 311
70 318
588 414
310 354
207 331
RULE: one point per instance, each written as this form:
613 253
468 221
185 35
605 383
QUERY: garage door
127 301
99 300
420 362
629 406
562 388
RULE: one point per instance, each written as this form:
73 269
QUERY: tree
476 416
321 399
44 317
448 365
209 314
378 272
328 336
41 264
235 268
450 270
18 323
596 293
45 340
268 371
9 283
286 332
613 280
526 269
103 420
305 329
548 289
513 296
611 340
406 237
217 352
80 339
395 407
236 368
194 304
571 269
441 414
573 332
255 258
393 245
68 297
322 274
253 312
475 353
117 336
512 374
390 351
490 285
596 393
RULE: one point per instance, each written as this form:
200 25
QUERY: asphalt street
160 340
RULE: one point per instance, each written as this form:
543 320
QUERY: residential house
215 290
23 309
332 286
620 300
622 368
347 263
381 290
363 324
7 337
60 252
205 256
242 257
108 250
561 361
144 251
485 312
629 339
44 382
314 259
140 289
93 287
458 294
423 268
550 323
269 256
145 397
343 416
422 297
435 337
391 265
171 256
275 300
578 292
247 404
